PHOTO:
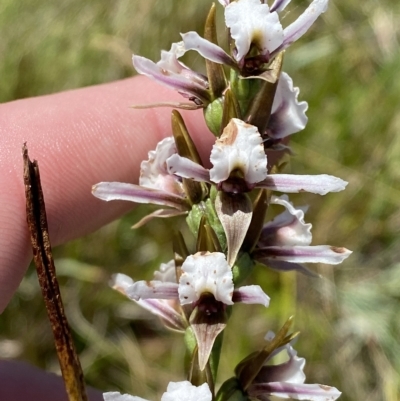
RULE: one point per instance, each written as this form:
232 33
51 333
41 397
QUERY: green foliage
347 69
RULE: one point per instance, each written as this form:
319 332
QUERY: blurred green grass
347 70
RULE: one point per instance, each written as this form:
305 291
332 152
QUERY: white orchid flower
285 242
176 391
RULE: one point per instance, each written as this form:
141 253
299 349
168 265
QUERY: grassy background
347 69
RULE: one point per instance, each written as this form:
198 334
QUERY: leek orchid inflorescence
252 107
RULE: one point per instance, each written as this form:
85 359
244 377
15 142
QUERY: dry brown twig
42 255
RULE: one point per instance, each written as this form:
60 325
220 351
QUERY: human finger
79 138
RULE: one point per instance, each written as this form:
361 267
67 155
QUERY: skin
21 381
79 138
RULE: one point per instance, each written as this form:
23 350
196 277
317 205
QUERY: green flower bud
213 115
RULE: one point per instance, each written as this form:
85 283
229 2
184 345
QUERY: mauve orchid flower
156 185
206 285
285 242
173 73
167 310
286 380
240 164
176 391
202 273
253 25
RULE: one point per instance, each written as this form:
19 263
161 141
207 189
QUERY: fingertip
79 138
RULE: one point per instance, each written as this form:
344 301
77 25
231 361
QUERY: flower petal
176 391
290 371
279 5
282 266
304 254
135 193
115 396
295 30
166 272
187 168
161 308
169 63
207 322
186 391
209 50
169 59
154 173
310 392
288 228
291 183
239 149
152 290
158 307
120 282
206 272
251 23
186 82
235 212
288 114
251 294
